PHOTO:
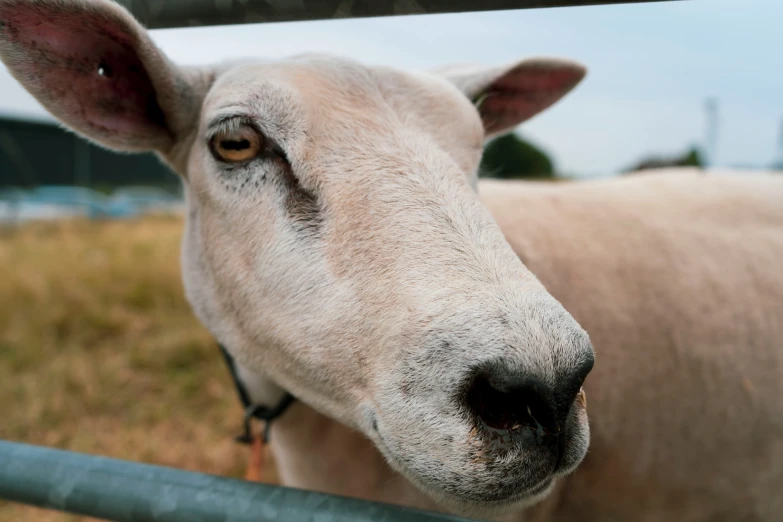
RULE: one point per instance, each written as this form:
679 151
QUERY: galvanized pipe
157 14
124 491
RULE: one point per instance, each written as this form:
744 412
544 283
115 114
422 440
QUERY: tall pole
779 162
711 131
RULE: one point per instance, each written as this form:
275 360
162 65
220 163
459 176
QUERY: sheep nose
510 400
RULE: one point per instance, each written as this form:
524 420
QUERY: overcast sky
651 67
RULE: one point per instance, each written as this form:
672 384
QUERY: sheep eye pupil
235 144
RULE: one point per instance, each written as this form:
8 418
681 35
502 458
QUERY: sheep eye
234 146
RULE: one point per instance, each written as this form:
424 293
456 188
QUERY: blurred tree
691 158
509 157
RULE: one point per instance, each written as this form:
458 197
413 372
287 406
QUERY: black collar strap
254 411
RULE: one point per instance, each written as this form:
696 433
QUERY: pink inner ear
524 92
85 64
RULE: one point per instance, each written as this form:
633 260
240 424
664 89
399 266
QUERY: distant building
34 153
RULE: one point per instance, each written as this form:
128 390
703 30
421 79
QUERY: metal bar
156 14
124 491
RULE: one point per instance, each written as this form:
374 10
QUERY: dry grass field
100 353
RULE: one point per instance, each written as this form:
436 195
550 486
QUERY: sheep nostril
512 408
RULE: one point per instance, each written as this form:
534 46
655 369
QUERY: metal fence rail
157 14
125 491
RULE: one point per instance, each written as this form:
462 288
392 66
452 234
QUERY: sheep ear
506 96
92 66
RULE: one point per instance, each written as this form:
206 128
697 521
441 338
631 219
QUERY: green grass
100 353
